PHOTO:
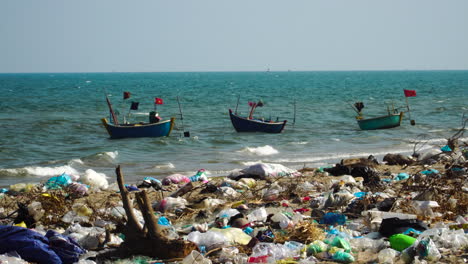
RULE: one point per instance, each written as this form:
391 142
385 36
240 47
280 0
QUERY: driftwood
150 239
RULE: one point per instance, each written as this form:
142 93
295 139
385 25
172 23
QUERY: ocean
50 122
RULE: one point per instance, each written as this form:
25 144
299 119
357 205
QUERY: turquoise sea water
50 123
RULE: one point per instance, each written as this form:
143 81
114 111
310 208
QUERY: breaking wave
260 151
41 171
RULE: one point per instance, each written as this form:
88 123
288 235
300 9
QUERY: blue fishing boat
249 124
160 129
381 122
154 128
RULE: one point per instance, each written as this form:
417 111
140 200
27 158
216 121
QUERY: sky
235 35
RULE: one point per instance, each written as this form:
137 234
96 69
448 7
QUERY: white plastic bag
387 255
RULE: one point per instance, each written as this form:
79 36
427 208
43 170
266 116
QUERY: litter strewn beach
400 209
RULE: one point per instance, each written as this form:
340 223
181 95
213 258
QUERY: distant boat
382 122
154 128
251 124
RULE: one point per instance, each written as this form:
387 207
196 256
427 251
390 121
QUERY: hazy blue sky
236 35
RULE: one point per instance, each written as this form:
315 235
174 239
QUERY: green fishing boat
381 122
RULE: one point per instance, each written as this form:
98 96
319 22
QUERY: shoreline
305 193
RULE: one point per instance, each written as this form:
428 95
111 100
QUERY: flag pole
412 122
294 119
186 133
238 98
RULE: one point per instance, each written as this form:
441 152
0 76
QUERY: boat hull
382 122
242 124
160 129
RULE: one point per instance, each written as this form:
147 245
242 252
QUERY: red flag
409 93
126 95
158 100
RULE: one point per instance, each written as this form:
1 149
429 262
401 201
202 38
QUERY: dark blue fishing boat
250 124
154 128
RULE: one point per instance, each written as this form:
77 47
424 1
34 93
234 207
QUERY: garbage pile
402 210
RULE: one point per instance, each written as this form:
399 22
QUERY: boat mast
114 118
238 98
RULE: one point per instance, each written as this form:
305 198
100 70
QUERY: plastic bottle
401 242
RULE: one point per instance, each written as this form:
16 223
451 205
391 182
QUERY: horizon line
215 71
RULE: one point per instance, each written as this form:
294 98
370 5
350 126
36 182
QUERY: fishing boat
156 127
251 124
382 122
160 129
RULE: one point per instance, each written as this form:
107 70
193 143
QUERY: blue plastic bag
333 218
58 182
402 176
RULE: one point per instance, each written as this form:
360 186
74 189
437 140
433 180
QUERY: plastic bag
233 235
95 180
316 247
210 239
58 182
259 214
175 178
264 170
426 249
387 255
170 204
199 176
195 258
333 218
343 257
272 193
22 187
228 192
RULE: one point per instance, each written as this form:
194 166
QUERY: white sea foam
300 143
111 154
77 161
164 166
260 151
45 171
338 156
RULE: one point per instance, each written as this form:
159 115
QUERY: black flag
134 106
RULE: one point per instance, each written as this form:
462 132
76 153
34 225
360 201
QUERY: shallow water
51 122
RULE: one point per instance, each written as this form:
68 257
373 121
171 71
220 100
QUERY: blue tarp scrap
34 247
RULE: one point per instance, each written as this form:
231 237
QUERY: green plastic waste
401 242
343 257
341 243
316 247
